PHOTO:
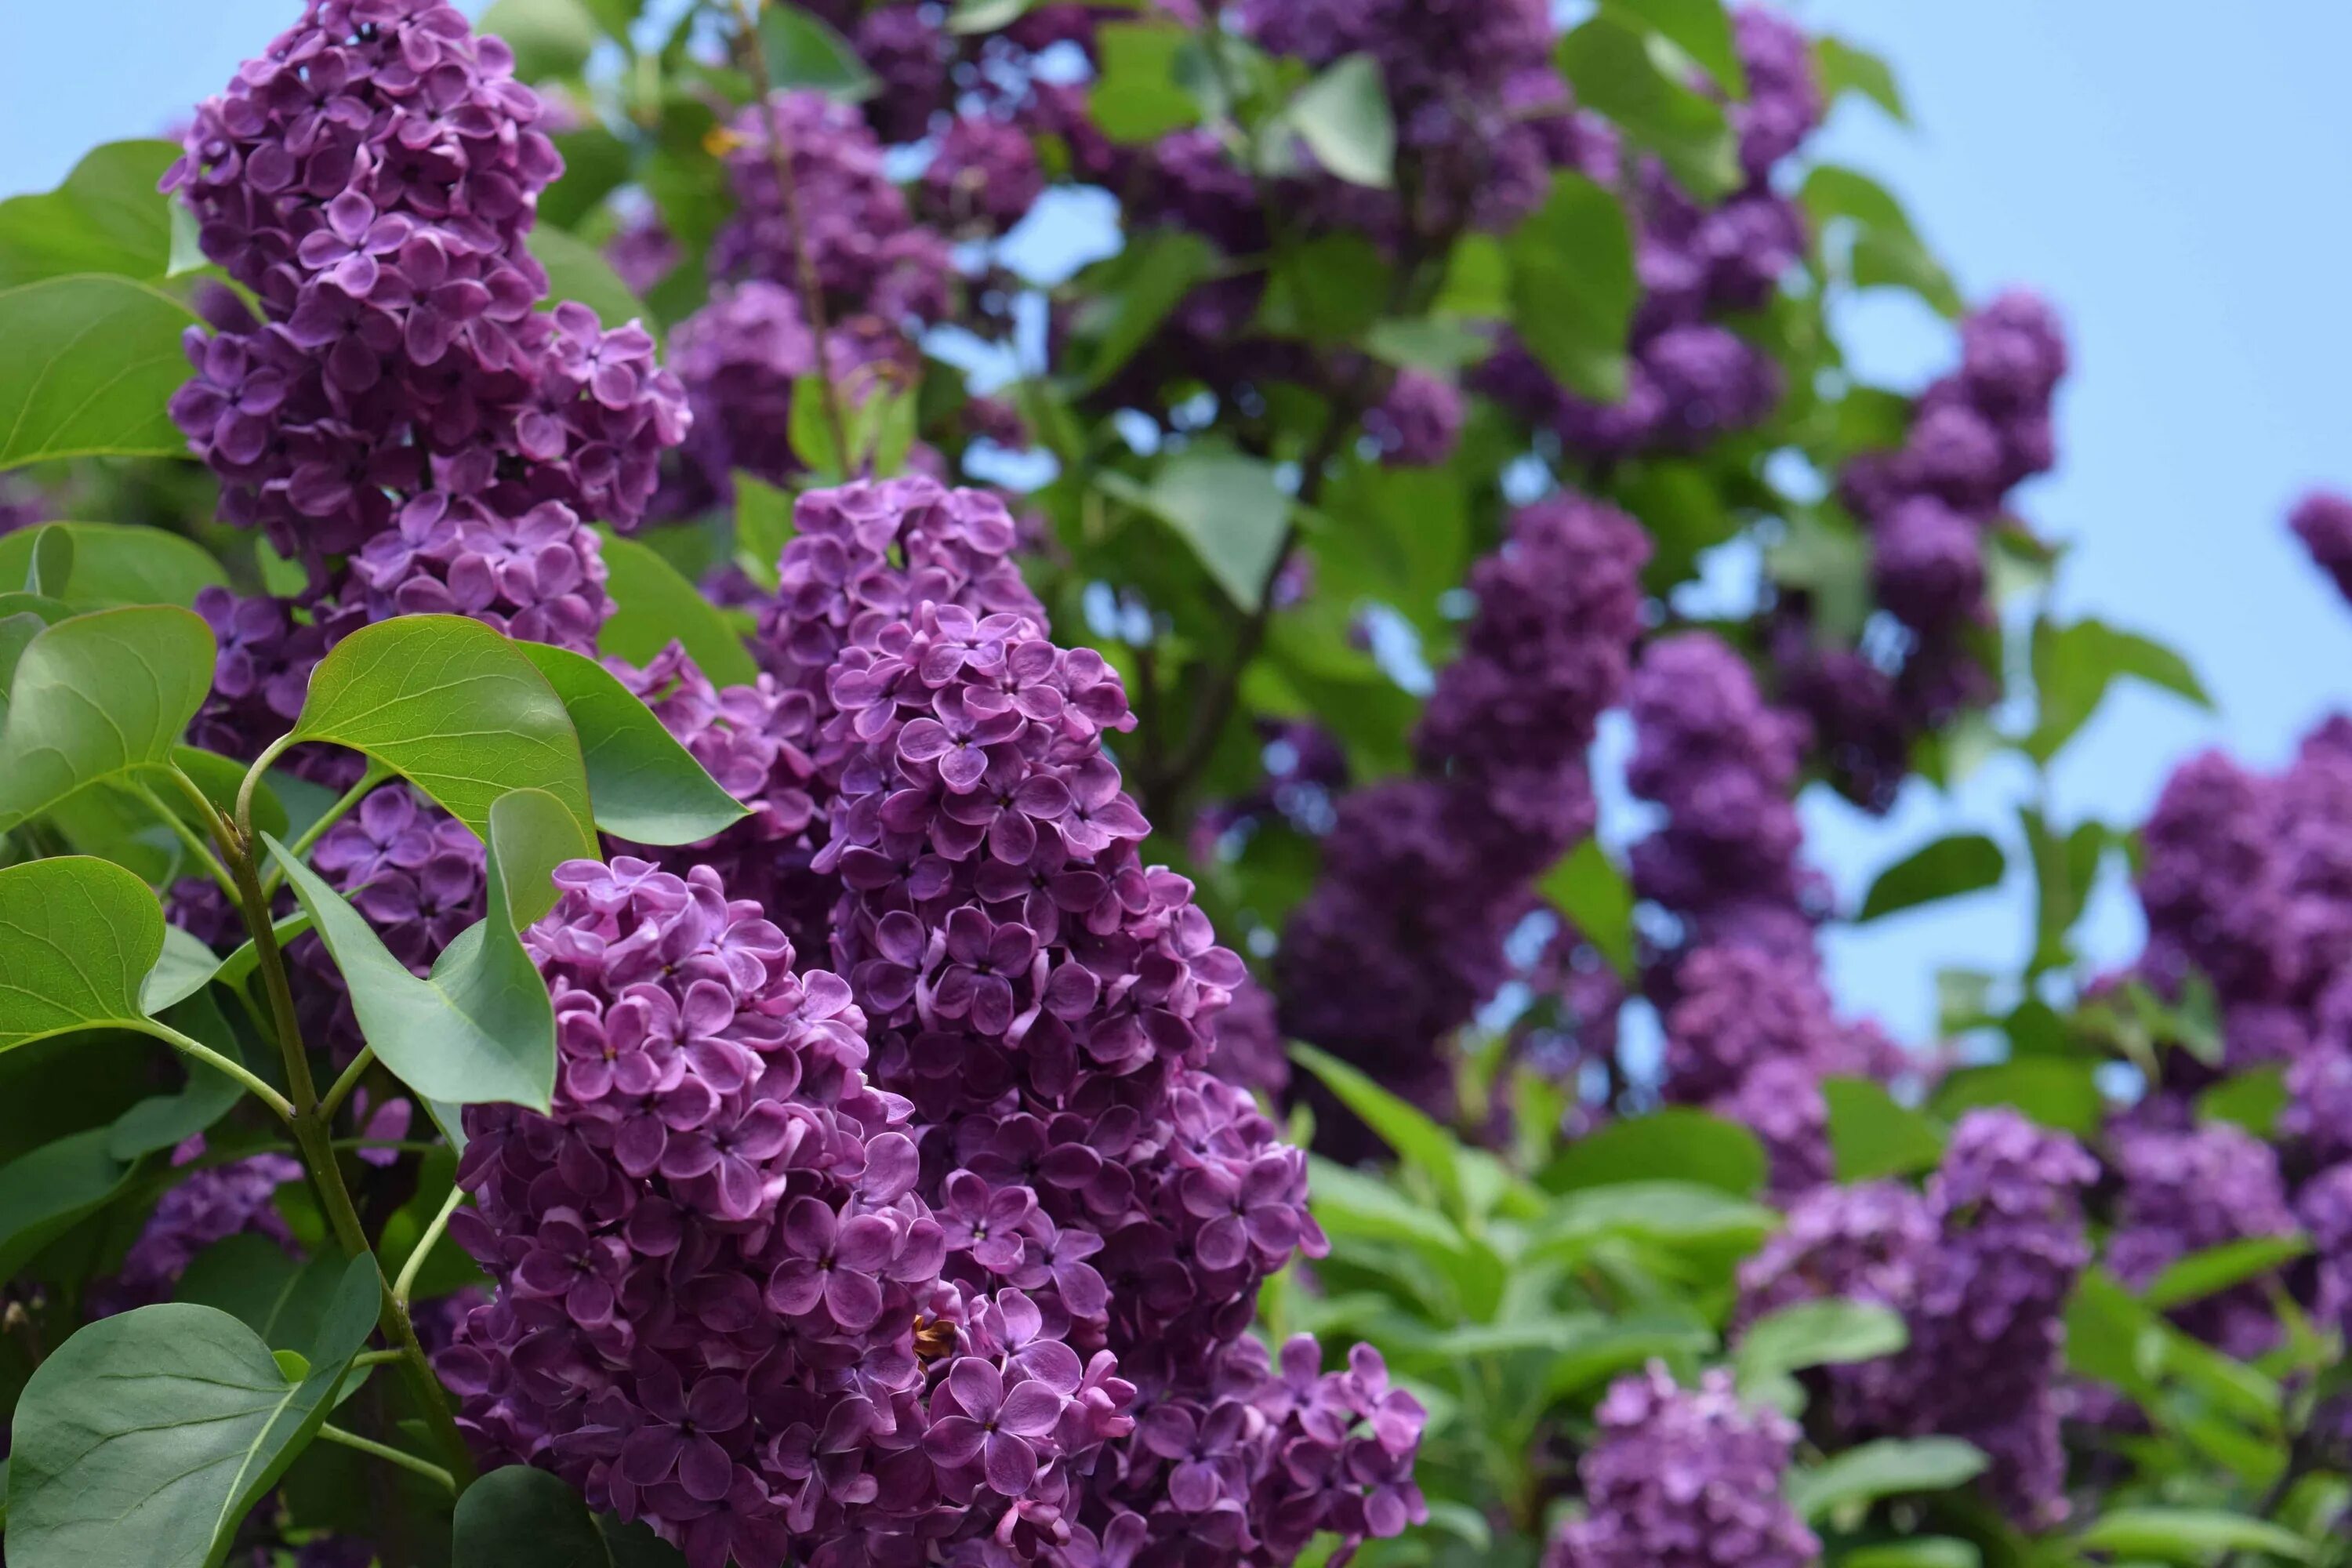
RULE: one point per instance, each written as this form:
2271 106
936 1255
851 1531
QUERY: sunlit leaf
100 696
105 216
92 363
642 784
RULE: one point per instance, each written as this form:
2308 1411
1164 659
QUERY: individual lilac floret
2184 1192
2323 520
371 179
1682 1477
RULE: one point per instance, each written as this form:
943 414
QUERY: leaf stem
198 1050
269 753
374 1358
343 1085
812 291
390 1456
423 1247
188 837
300 848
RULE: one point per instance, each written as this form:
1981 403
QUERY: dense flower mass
1685 1478
1981 1269
371 179
2185 1191
1424 876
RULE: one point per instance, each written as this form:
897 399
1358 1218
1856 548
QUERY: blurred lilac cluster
1685 1478
1423 877
1982 1267
1928 508
1690 377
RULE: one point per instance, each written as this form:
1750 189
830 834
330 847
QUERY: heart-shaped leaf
1343 116
1884 1468
654 606
99 697
457 710
519 1517
480 1028
115 564
91 364
145 1437
106 216
77 939
643 785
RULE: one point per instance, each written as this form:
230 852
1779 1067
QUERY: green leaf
107 216
96 696
653 607
2215 1268
47 1192
1832 1332
763 526
2252 1100
16 634
281 1299
1673 1212
1229 509
2073 666
1700 28
1885 251
643 785
1328 290
457 710
92 363
578 270
146 1438
1616 74
77 937
1136 96
1872 1135
2188 1535
1349 1203
2060 1094
1403 1128
1572 286
162 1121
1948 868
49 552
1676 1144
115 564
187 967
805 54
1343 117
1438 344
1140 287
519 1517
1891 1467
550 38
1920 1552
986 15
1593 894
1882 260
1845 68
480 1029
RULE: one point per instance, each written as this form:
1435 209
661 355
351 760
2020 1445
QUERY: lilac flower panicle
1423 877
1419 422
370 178
207 1205
1685 1478
2323 522
2184 1192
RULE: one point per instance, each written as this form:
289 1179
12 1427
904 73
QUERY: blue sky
2174 182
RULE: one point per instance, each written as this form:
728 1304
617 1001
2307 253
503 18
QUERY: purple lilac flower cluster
371 179
2323 520
1424 876
2184 1190
1975 435
1690 378
209 1204
1750 1035
1048 1004
1685 1478
1982 1267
